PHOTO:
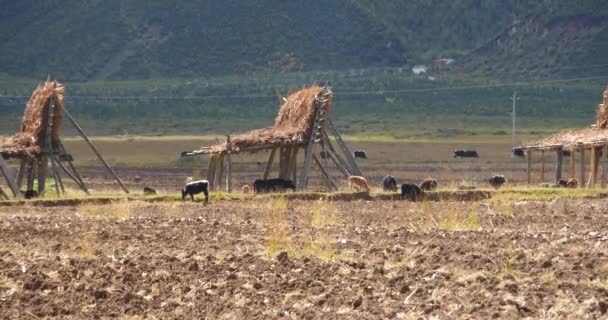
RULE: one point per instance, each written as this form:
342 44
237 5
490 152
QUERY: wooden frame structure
34 167
323 135
595 149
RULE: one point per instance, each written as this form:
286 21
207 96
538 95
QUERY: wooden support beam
582 181
284 162
343 163
572 163
74 175
31 174
43 163
559 164
331 185
21 173
529 168
308 154
542 166
86 139
595 153
269 163
347 154
604 162
228 165
4 171
219 173
294 164
211 172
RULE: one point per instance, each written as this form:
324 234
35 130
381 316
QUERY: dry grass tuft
119 210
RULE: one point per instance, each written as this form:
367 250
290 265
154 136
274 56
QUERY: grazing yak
429 184
30 194
466 154
497 181
411 191
196 187
360 154
246 189
389 183
148 191
358 183
570 183
519 152
272 185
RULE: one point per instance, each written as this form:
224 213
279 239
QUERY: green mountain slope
138 39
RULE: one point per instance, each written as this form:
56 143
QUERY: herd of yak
409 191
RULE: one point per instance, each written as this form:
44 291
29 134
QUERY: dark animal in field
466 154
196 187
389 184
64 157
429 184
30 194
566 153
324 154
497 181
360 154
272 185
562 183
410 191
149 191
358 183
519 152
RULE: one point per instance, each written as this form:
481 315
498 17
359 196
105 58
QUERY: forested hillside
101 40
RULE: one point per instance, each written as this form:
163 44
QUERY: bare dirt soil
306 260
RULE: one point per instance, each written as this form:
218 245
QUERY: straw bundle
601 116
292 125
36 114
34 122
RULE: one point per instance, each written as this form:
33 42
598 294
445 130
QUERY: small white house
419 69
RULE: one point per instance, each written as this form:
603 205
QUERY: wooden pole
595 152
294 164
21 173
343 164
572 163
604 160
9 179
42 163
529 168
219 173
542 166
228 166
42 174
269 163
559 164
582 181
331 185
86 139
211 173
31 174
75 176
347 154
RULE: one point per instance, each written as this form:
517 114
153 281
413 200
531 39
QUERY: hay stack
34 122
35 116
292 125
601 116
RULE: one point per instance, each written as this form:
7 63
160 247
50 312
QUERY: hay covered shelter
38 141
302 122
593 139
